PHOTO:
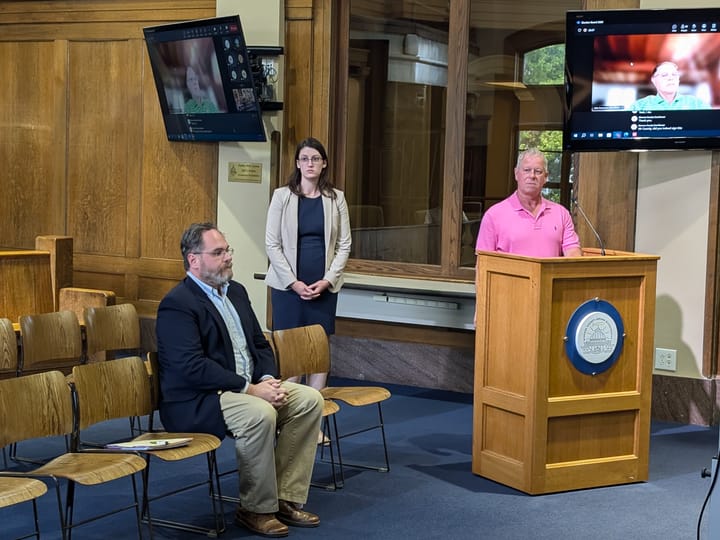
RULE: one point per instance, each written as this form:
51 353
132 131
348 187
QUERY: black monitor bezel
231 125
622 22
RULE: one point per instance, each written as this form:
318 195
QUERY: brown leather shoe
262 524
291 514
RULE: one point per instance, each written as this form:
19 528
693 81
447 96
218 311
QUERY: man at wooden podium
561 399
526 223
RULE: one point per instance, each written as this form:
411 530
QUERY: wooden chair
50 341
8 357
298 365
8 350
296 358
41 405
16 489
112 331
122 388
268 336
307 349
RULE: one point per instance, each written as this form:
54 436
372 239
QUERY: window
411 212
396 134
545 67
550 142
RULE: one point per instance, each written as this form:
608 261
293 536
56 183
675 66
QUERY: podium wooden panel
539 424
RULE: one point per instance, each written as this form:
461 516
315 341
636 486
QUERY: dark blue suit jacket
196 357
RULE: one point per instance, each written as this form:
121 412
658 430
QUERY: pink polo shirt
507 227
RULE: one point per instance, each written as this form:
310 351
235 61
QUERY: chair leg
327 433
145 506
61 514
214 477
227 498
36 519
69 506
66 514
382 430
36 531
381 427
218 513
138 513
331 434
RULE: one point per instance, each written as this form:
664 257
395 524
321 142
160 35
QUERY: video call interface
621 71
204 82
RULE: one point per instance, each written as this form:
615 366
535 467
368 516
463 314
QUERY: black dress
288 309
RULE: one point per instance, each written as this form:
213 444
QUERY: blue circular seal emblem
594 336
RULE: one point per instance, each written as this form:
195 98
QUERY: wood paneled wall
84 147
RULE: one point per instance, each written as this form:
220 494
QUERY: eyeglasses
219 252
668 75
314 159
528 170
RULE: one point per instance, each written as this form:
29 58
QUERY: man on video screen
666 80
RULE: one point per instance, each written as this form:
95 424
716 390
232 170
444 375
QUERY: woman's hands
310 292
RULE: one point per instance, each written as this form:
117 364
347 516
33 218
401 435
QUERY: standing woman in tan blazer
307 239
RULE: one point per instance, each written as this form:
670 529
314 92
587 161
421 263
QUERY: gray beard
217 279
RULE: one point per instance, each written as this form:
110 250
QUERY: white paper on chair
150 444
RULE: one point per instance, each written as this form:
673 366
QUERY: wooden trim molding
454 162
711 324
405 333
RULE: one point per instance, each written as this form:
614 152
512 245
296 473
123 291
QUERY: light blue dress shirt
243 359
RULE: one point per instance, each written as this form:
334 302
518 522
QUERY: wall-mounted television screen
204 80
642 79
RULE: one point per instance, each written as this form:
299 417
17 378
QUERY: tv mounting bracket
265 75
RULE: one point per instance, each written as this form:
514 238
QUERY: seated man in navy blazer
218 375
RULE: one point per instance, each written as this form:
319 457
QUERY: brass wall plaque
244 172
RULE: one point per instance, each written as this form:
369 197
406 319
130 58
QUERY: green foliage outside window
549 142
545 66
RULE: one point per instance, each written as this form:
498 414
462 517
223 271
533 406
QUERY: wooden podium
540 425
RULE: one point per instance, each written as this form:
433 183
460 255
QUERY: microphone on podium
587 220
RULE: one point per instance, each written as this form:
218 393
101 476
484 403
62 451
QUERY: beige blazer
281 237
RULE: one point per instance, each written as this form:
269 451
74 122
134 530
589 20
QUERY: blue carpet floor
430 491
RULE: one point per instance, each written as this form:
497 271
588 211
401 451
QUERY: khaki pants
275 447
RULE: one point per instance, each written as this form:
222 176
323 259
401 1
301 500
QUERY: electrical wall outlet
666 359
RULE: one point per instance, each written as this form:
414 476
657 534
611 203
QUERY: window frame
449 268
459 24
